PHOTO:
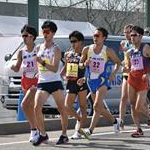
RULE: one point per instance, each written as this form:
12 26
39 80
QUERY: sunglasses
73 41
134 35
25 35
96 35
46 31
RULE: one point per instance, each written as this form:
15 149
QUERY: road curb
51 125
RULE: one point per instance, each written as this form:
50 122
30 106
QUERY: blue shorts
95 84
50 87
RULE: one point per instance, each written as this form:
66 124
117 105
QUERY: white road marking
20 142
53 139
126 131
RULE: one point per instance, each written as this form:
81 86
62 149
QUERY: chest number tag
72 70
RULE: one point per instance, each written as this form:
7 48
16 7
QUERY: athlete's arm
16 67
122 45
83 60
127 68
80 81
38 47
63 71
146 50
112 56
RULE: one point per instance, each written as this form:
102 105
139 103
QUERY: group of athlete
85 69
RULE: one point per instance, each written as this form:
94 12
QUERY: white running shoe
34 136
85 132
117 126
77 126
88 132
76 135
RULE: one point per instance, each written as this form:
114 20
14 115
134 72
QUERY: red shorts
136 81
27 83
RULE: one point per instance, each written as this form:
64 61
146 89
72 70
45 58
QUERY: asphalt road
7 115
103 138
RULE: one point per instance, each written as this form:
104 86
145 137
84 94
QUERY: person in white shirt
49 82
27 58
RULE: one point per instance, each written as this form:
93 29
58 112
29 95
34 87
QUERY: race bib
137 63
72 70
29 66
42 68
97 66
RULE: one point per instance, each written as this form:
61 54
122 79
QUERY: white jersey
47 55
29 64
97 61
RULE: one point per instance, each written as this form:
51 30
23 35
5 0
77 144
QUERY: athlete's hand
126 70
39 60
63 71
81 81
81 65
37 75
112 77
145 77
87 62
12 67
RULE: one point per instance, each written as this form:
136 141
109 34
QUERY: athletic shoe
138 133
85 132
77 126
117 126
62 140
34 135
76 135
41 139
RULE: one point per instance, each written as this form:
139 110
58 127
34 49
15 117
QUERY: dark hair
77 35
51 25
104 31
138 30
30 30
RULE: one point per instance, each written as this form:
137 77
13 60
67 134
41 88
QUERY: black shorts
50 87
125 77
73 88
